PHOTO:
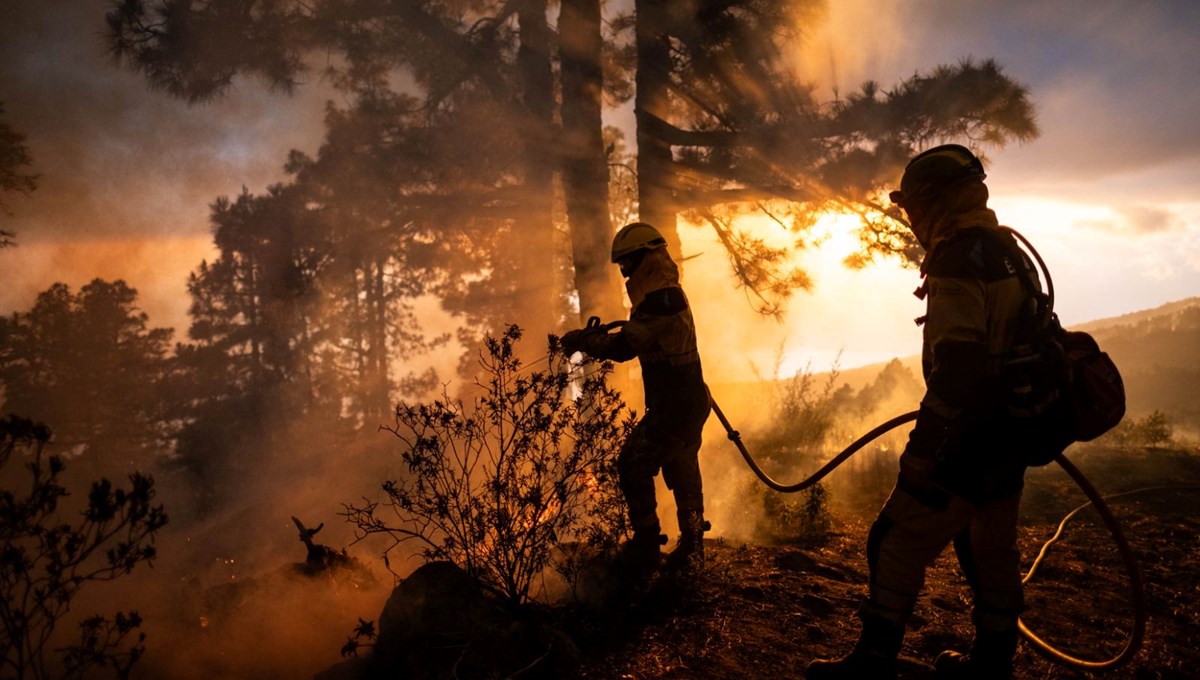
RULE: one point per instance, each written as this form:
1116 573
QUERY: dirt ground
766 611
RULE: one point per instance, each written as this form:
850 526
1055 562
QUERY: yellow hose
1138 634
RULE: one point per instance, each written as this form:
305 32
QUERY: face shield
931 186
630 263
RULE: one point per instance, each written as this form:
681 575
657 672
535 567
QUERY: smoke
153 266
794 426
858 41
226 599
122 167
127 176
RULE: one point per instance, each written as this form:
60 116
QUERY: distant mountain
1157 351
1158 314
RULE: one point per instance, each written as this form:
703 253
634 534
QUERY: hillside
1157 351
1146 315
769 601
765 611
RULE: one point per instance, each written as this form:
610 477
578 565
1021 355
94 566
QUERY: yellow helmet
634 237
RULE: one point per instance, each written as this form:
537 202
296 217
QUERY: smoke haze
126 174
128 177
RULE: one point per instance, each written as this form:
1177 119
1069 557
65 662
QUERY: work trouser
909 535
652 446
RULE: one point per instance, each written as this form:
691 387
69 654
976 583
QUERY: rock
350 669
438 597
438 623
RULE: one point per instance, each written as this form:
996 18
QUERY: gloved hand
573 341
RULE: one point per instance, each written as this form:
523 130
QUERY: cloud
1143 219
1136 220
1113 84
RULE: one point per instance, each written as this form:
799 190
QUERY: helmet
931 171
634 237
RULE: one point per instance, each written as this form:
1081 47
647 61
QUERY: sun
849 317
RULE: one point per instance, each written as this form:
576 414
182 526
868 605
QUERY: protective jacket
662 335
977 309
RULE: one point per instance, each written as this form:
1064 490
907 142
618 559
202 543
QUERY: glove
573 341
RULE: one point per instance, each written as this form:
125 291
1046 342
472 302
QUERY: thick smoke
125 174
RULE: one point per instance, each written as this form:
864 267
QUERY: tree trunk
378 383
585 163
656 179
535 288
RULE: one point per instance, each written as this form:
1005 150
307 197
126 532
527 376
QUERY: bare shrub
495 486
811 417
45 561
803 414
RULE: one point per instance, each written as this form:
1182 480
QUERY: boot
639 557
873 657
687 559
990 658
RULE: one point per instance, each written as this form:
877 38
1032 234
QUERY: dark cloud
116 159
1114 82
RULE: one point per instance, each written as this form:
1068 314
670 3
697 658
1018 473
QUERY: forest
468 170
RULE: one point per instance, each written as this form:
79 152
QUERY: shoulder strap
1048 311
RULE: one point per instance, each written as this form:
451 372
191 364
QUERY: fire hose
1136 636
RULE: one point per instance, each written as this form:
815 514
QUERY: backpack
1059 387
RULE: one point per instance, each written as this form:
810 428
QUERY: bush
1154 429
788 517
496 487
45 562
803 414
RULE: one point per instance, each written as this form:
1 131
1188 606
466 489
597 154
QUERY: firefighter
959 481
661 334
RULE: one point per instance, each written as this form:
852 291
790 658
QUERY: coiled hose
1136 636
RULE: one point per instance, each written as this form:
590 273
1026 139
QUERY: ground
765 611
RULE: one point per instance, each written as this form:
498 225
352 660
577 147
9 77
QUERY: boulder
438 623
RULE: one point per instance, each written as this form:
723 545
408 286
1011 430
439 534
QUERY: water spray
1136 636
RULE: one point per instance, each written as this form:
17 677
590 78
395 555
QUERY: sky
1107 192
